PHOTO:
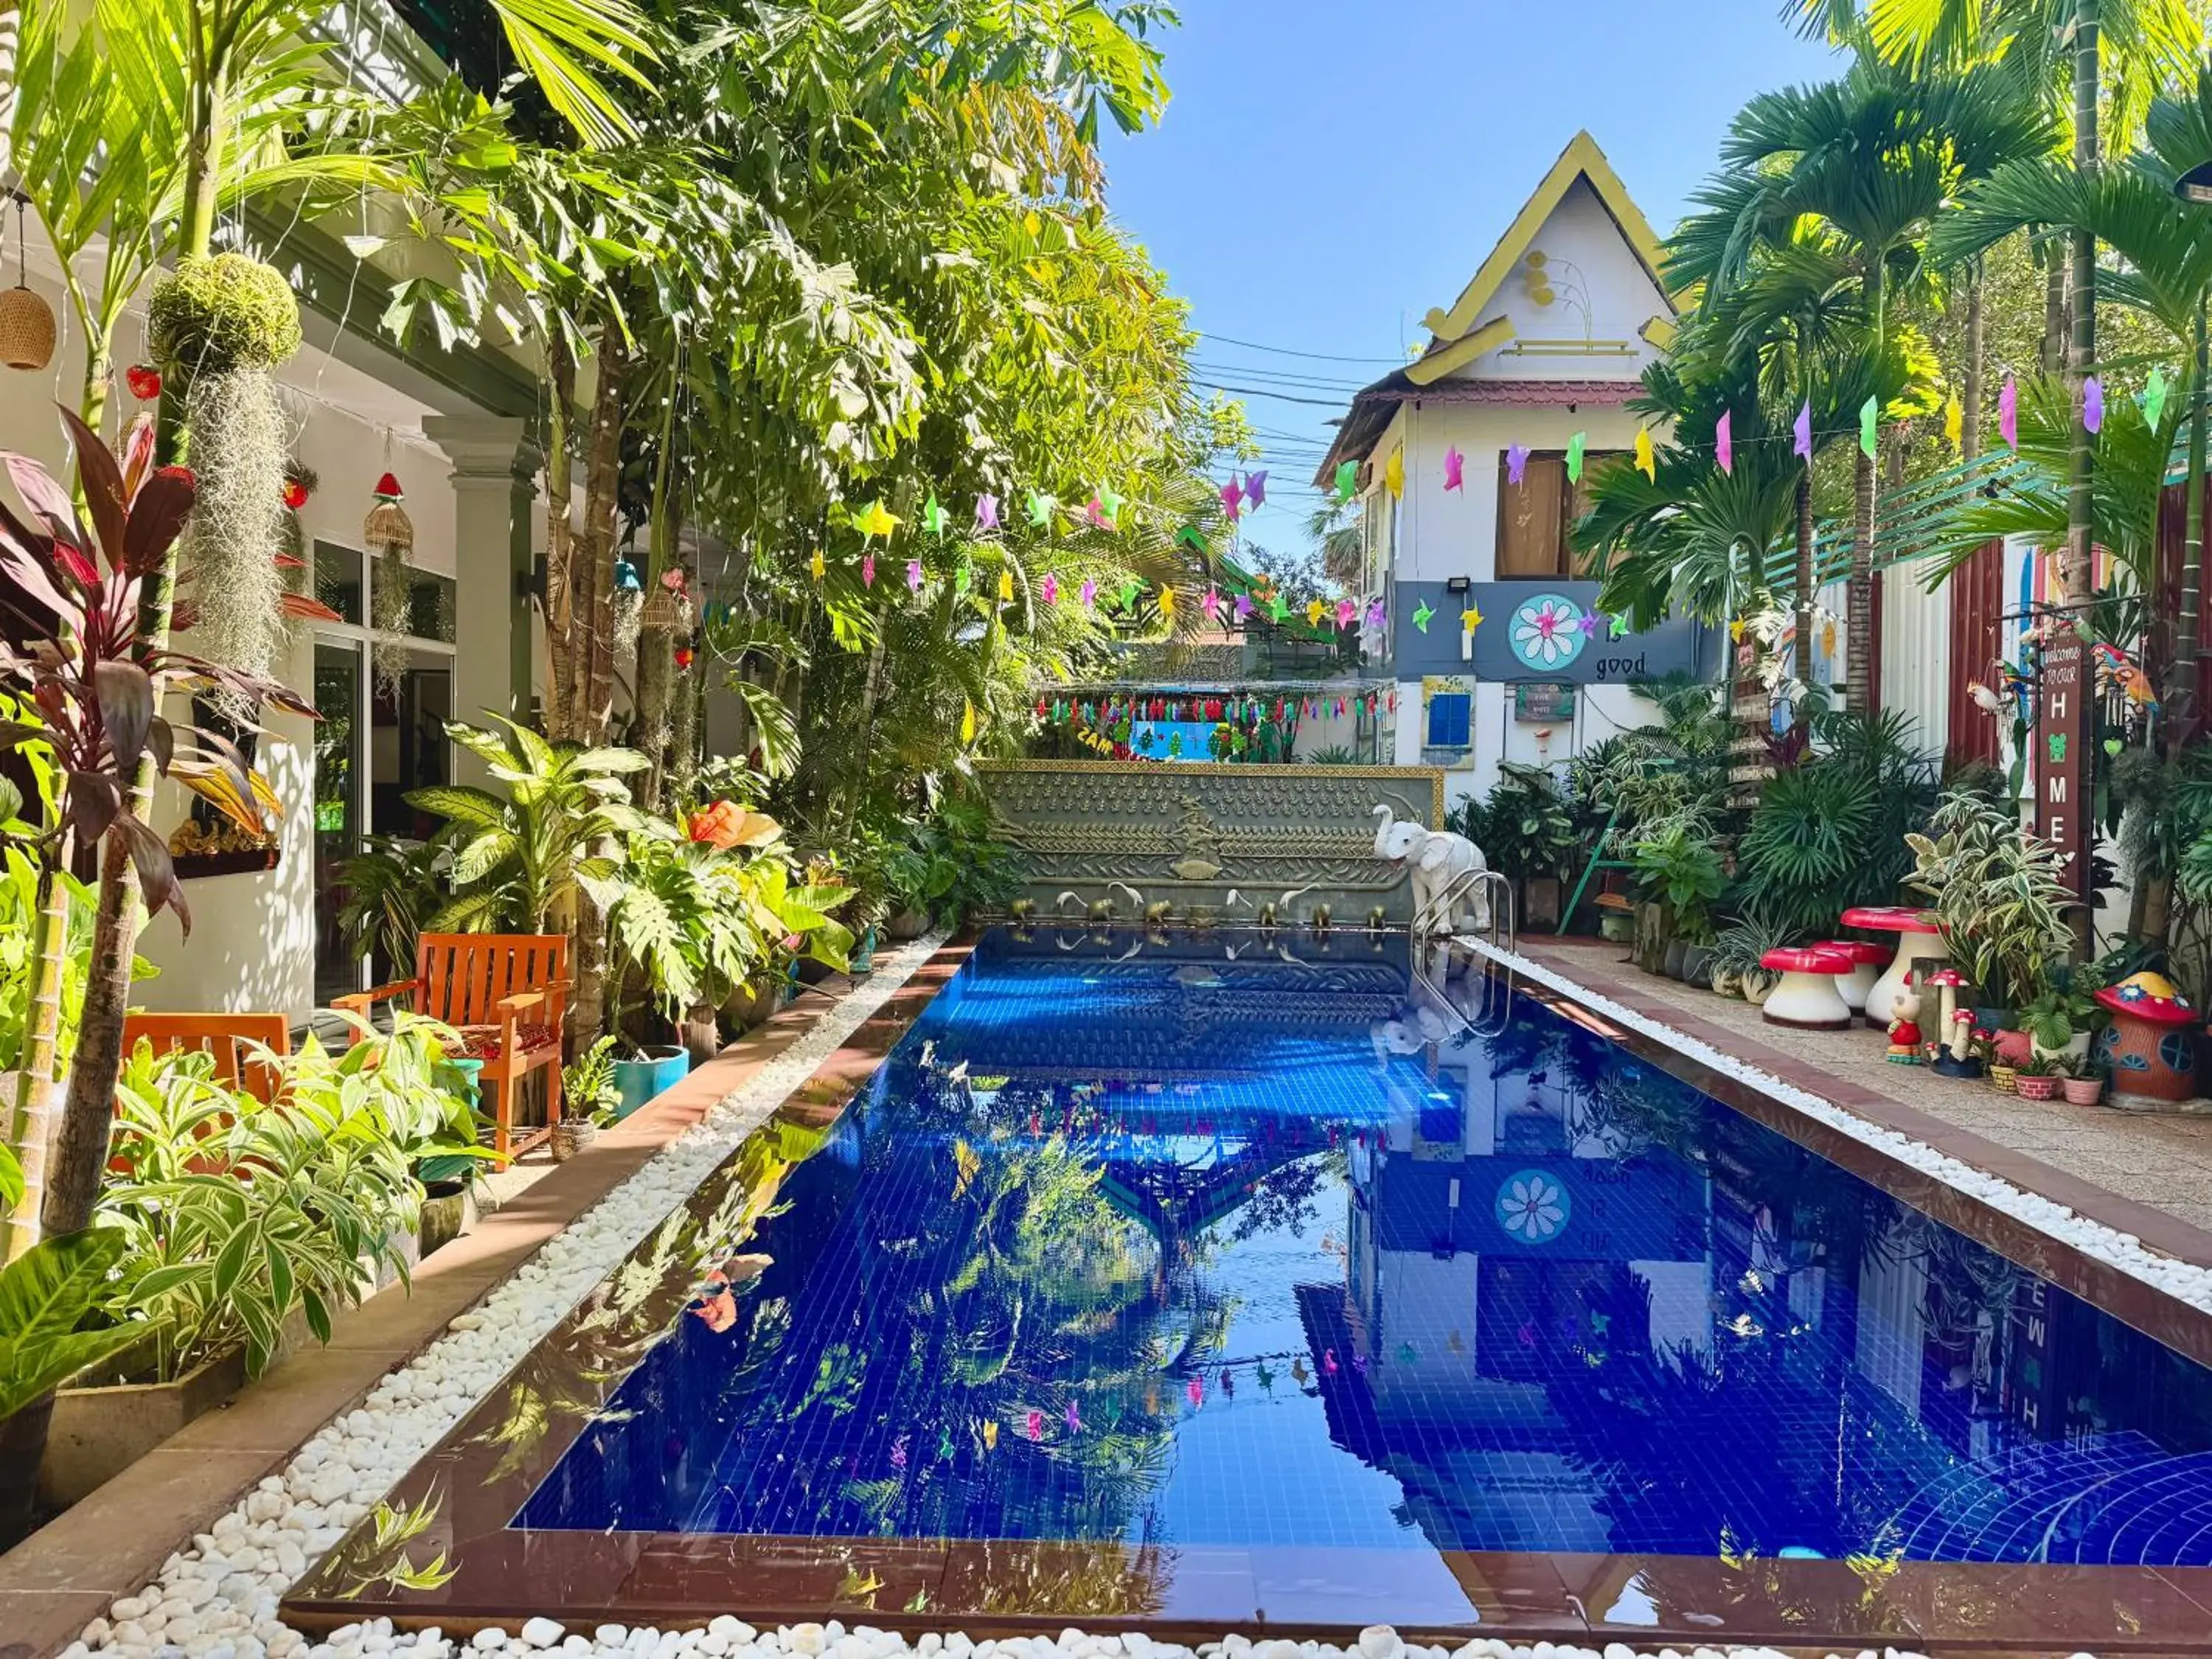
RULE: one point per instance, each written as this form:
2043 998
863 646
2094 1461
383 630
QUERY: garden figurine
1905 1026
1954 1043
2150 1047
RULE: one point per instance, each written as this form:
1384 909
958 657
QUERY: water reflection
1201 1244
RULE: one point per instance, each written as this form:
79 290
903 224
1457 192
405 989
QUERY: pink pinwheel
1455 468
1243 606
1051 587
1196 1389
2008 413
1232 498
1345 610
1095 510
1803 431
1724 442
987 513
1516 462
1255 489
1212 605
1036 1425
1089 593
2093 406
913 575
867 570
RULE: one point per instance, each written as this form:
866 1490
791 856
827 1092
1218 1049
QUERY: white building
1545 346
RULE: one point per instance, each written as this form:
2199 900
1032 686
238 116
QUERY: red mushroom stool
1807 996
1867 962
2150 1047
1919 946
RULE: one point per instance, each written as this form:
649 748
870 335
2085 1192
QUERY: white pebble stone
1380 1642
543 1632
805 1638
487 1639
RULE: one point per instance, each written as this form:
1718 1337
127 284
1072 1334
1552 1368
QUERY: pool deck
2142 1173
70 1571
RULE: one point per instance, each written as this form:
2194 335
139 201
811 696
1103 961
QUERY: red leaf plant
93 675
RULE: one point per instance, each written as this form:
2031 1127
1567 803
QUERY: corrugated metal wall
1916 654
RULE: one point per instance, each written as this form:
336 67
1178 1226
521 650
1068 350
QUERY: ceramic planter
2084 1090
640 1080
703 1037
1671 963
862 961
1698 964
2030 1087
2002 1078
907 925
571 1135
98 1432
449 1209
2149 1059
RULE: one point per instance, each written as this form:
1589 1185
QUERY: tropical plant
235 1212
97 685
588 1089
46 1295
1524 825
1681 870
1739 947
1997 895
393 887
1799 857
951 866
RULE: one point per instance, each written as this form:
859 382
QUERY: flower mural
1533 1208
1546 632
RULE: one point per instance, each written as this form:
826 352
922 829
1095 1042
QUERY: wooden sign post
2062 754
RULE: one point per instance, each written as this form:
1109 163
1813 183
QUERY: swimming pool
1220 1250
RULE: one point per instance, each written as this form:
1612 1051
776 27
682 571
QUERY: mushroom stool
1919 946
2150 1047
1807 996
1867 962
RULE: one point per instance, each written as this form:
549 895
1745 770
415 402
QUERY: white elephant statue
1434 861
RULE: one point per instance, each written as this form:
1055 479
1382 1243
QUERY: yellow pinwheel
1646 463
878 520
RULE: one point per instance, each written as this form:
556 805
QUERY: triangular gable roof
1581 159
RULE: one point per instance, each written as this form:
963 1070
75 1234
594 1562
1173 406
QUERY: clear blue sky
1327 171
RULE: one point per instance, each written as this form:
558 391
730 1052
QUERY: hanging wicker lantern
389 535
388 529
27 321
668 607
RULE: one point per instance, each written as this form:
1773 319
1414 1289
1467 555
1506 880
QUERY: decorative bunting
1233 499
1074 1419
1128 596
1376 616
1455 468
1051 588
933 516
868 570
2008 413
1167 602
1345 610
1006 585
1725 443
1618 628
1516 463
1195 1388
1278 612
1212 605
1422 613
967 722
1192 537
1040 511
1314 610
1243 606
1110 506
990 1434
1036 1425
2153 398
1801 432
964 577
1646 463
1089 594
913 575
1255 489
987 513
1588 623
2093 406
1869 414
878 520
1470 619
815 566
1347 480
1954 423
1575 447
1393 474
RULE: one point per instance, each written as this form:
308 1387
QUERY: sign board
2062 755
1544 631
1537 703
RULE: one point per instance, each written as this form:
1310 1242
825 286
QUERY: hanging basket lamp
27 321
388 529
627 580
668 607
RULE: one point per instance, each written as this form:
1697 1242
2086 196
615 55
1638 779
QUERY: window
1536 516
1450 718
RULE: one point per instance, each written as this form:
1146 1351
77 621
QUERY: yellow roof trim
1426 371
1582 159
1660 332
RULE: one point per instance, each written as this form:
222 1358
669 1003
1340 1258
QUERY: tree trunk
1808 588
1860 693
79 1152
1970 422
655 665
31 1132
2082 300
559 542
2182 675
2054 312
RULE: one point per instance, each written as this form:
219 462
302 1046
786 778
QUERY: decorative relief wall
1188 835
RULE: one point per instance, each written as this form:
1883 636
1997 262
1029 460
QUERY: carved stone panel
1189 834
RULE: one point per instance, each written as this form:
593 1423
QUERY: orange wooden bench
231 1038
507 995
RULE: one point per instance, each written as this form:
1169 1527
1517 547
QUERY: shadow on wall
252 942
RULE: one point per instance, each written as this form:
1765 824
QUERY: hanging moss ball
210 316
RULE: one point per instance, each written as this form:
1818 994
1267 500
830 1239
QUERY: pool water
1229 1241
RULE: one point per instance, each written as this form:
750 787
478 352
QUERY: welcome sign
1536 631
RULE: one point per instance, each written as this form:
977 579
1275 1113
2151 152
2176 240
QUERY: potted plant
2039 1076
2063 1014
1737 949
1679 871
2002 1077
1998 898
589 1100
2084 1082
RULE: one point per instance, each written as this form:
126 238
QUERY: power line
1261 392
1286 351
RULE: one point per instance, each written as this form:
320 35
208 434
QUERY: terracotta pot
2002 1078
2084 1090
2028 1087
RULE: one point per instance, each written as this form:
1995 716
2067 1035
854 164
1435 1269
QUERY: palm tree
1873 158
2166 272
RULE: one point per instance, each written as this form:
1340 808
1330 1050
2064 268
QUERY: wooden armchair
231 1038
507 995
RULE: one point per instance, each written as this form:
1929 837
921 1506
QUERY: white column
494 470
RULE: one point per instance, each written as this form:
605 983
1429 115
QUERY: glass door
340 764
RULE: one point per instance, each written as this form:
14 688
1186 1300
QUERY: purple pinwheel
1255 489
1516 462
987 513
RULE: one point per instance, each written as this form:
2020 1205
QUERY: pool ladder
1434 922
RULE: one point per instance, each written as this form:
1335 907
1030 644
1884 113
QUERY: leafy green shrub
211 316
1797 860
1523 825
953 866
1997 894
45 1294
1680 869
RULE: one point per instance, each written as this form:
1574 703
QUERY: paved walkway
2147 1175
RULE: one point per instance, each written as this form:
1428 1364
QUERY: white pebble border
2182 1280
218 1599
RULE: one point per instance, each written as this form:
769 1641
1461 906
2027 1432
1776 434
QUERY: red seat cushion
482 1041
